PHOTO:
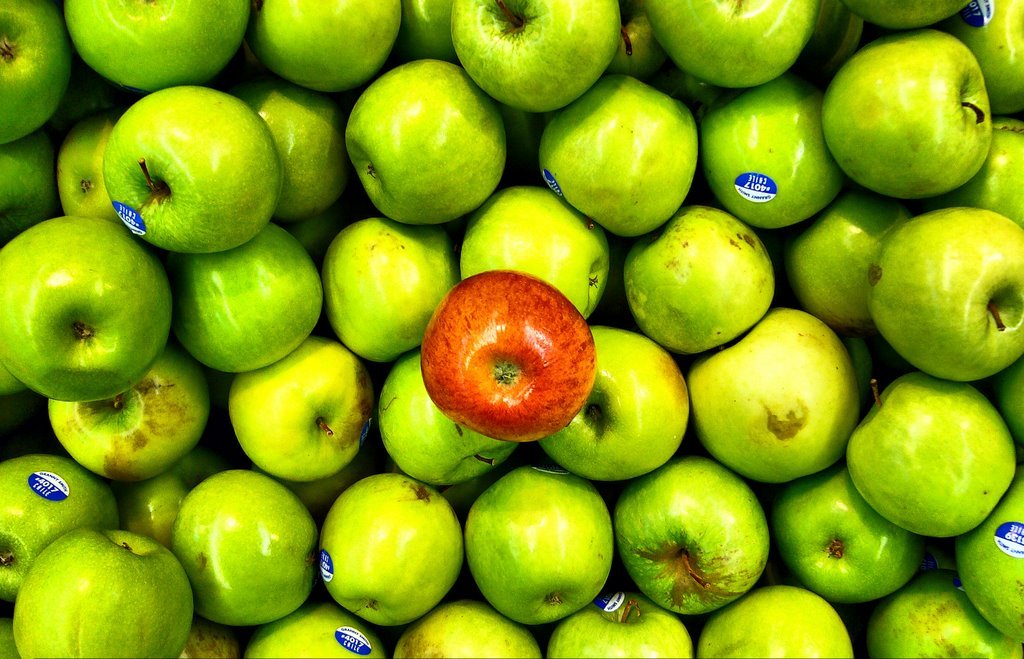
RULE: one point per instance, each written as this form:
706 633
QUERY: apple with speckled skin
323 629
80 182
466 628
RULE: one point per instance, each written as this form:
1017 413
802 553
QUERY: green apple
781 402
466 628
700 282
305 416
623 153
526 228
192 169
776 621
321 629
245 307
764 155
210 640
873 109
691 535
932 456
1008 395
733 44
539 544
140 432
639 54
45 496
28 190
947 292
120 595
8 650
535 55
391 548
248 545
87 328
827 260
80 182
836 544
35 65
904 14
463 495
327 46
422 441
382 280
635 417
837 36
309 132
10 384
427 143
425 31
932 617
620 625
993 32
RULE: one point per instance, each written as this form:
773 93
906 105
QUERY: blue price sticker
756 187
1010 539
49 485
978 13
131 218
611 602
353 640
549 178
326 566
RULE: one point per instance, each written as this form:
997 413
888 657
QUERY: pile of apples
512 328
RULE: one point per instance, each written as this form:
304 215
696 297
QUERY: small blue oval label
549 178
978 13
49 485
959 585
364 432
131 218
756 187
326 566
610 602
353 640
1010 539
928 563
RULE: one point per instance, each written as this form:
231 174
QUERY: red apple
507 355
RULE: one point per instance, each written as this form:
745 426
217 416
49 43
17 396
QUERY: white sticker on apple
49 485
549 178
610 603
1010 539
959 585
131 218
978 13
326 566
353 640
756 187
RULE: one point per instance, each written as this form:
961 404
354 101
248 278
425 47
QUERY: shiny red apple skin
508 355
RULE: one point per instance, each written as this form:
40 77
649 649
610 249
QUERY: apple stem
6 50
323 426
978 112
627 41
874 391
257 5
126 545
631 606
485 460
6 558
994 310
516 21
154 186
694 574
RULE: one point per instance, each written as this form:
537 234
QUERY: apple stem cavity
994 310
322 425
978 112
627 41
516 21
158 188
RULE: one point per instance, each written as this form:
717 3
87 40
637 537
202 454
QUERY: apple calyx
627 42
836 548
6 50
86 185
118 401
994 310
82 331
6 559
322 425
159 189
978 112
517 21
124 544
506 373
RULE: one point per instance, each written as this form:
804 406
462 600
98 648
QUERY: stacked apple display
512 328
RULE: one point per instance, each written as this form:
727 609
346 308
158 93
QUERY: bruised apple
509 356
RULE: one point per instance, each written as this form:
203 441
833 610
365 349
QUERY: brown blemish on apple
734 243
311 558
747 238
421 491
874 273
201 561
836 548
681 568
788 426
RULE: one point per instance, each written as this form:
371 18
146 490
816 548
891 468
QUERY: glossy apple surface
639 53
996 45
321 629
469 628
80 166
903 15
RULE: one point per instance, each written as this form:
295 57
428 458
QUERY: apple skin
635 417
1008 395
315 629
36 56
247 565
639 54
28 191
776 621
396 547
837 36
216 180
532 55
303 417
80 183
902 15
924 130
113 584
947 292
623 153
427 143
733 44
382 279
933 456
996 46
425 32
466 628
33 518
88 329
246 307
507 355
211 640
8 649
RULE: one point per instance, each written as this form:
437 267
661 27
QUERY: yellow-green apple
45 496
776 621
35 65
528 229
80 182
425 32
1008 395
327 46
120 595
321 629
635 417
309 131
907 115
28 189
427 143
507 355
192 169
391 548
466 628
382 279
248 306
699 282
211 640
620 625
423 442
691 535
733 44
993 32
932 456
904 14
947 292
535 55
623 153
836 544
305 416
247 564
539 544
639 53
837 36
764 154
88 326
